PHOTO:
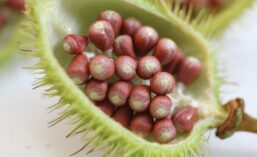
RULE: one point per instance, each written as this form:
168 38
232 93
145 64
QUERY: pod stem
248 124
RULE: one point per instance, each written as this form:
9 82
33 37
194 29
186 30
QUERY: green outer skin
105 130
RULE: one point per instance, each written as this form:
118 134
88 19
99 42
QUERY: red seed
215 3
145 40
18 5
96 90
106 107
140 98
101 33
177 58
142 124
78 69
184 119
165 50
113 18
164 131
101 67
125 67
148 66
124 46
130 26
75 44
160 106
119 92
3 19
162 83
123 115
189 70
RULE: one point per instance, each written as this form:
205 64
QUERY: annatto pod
118 140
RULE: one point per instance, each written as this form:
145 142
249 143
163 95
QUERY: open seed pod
10 34
50 21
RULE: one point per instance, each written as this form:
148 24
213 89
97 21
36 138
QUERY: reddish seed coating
78 69
160 106
189 70
184 119
106 107
145 40
165 50
18 5
142 124
101 67
148 66
125 68
140 98
113 18
124 46
75 44
123 115
164 131
130 26
119 92
101 33
215 3
162 83
96 90
177 58
3 19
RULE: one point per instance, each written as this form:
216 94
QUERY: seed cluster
145 109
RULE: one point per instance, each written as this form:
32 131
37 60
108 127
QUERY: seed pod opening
119 92
130 26
101 67
124 46
162 83
148 66
78 69
142 124
140 98
96 90
160 106
125 68
74 43
123 115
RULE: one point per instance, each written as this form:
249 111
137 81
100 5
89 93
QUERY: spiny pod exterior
78 69
162 83
123 115
140 98
124 46
148 66
130 26
102 67
106 107
75 44
142 124
125 68
164 131
165 50
96 90
119 92
101 34
145 40
160 106
184 119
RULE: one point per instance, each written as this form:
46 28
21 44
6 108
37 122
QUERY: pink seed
145 40
184 119
75 44
123 115
124 46
162 83
119 92
148 66
96 90
177 58
160 106
101 33
189 70
78 69
130 26
142 124
106 107
101 67
125 68
113 18
18 5
140 98
164 131
165 50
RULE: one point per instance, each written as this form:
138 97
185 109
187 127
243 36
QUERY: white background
23 115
